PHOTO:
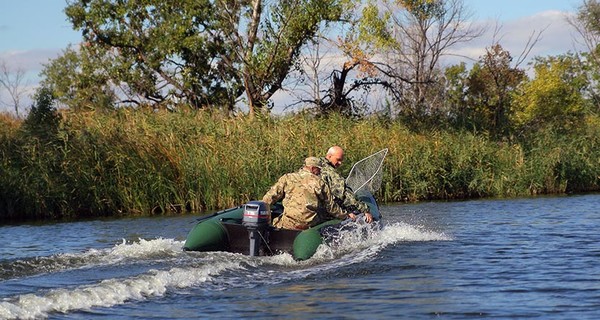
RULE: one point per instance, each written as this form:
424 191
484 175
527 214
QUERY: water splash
374 238
214 270
358 244
110 292
143 249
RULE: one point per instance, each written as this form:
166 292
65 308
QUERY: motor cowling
257 215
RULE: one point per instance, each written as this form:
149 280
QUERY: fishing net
367 173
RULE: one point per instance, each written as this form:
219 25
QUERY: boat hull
223 231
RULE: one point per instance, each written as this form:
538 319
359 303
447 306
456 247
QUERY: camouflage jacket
342 194
306 200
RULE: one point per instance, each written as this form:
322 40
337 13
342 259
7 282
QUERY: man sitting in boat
342 194
306 199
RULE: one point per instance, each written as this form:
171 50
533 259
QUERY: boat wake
120 253
162 267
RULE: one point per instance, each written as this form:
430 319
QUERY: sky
520 19
34 31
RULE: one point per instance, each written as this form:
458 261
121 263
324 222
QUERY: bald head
335 155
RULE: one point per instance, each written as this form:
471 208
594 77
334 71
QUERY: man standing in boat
342 194
306 199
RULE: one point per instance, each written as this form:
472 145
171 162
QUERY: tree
422 32
490 84
587 24
350 49
200 52
357 73
554 96
268 45
79 80
43 121
397 49
13 81
455 95
158 52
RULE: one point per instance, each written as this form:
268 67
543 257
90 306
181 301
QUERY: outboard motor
257 217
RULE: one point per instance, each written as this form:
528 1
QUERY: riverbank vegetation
132 162
169 106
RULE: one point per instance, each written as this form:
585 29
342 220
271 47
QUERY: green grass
137 162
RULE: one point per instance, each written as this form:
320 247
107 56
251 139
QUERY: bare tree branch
13 81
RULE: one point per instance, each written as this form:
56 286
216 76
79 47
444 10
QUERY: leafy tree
338 98
455 95
356 42
397 49
159 52
42 122
78 80
199 52
587 24
554 96
490 85
269 55
589 14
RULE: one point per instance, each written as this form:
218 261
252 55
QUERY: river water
500 259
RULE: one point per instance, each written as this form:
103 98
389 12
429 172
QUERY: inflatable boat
246 229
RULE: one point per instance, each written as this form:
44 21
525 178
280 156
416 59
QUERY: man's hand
368 217
352 216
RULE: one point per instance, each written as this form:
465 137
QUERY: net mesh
367 173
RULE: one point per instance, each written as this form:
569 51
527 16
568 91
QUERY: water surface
501 259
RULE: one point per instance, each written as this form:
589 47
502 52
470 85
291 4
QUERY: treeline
144 116
134 162
334 56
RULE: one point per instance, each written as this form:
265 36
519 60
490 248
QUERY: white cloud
31 60
557 37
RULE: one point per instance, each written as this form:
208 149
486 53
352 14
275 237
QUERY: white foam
110 292
142 249
145 248
352 247
400 231
366 241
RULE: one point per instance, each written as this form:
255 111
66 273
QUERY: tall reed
138 162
